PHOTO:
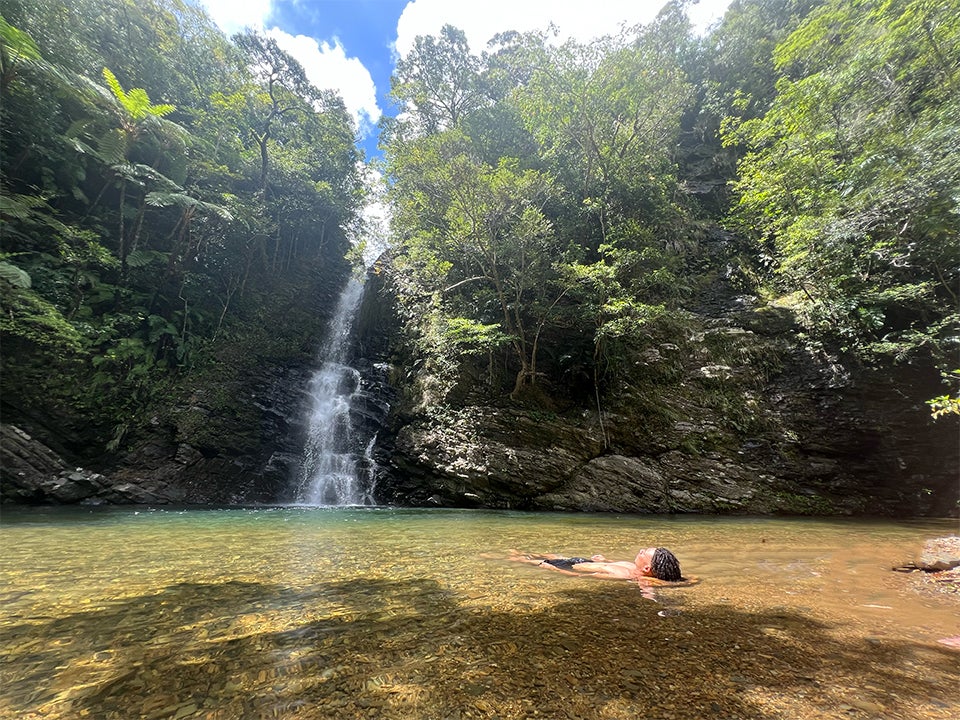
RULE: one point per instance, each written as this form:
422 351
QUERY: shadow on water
411 649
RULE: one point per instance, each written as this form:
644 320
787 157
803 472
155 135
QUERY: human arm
608 570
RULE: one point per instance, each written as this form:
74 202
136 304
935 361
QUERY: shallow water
302 612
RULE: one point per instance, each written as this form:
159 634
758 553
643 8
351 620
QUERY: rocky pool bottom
314 613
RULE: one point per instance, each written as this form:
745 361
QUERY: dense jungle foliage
174 202
553 202
169 198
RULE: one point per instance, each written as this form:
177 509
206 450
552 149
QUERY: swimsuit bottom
567 563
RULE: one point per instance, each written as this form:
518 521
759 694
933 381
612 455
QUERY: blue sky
351 46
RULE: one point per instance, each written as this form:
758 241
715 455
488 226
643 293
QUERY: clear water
329 612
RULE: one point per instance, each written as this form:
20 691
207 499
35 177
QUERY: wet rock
30 472
74 486
613 483
26 465
33 473
248 457
940 554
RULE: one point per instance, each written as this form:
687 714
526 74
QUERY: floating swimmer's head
658 563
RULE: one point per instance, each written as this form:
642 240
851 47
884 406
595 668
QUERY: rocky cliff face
739 415
736 414
248 456
832 460
229 432
234 435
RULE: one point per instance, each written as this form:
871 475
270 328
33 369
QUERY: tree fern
136 102
187 202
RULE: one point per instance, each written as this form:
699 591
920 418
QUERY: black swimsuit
566 563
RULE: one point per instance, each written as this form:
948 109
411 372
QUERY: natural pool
385 613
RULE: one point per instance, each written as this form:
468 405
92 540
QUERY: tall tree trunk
122 231
138 223
264 159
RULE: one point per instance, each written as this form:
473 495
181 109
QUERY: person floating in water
656 564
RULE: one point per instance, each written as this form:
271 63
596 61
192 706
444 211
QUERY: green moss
27 316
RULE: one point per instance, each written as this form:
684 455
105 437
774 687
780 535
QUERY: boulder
26 466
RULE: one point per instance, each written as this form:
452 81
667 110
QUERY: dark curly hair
664 565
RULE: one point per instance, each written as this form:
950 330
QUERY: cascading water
347 406
336 468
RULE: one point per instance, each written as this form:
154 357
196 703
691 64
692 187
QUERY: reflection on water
298 612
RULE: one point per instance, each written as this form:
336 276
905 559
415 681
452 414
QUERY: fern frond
113 146
182 200
14 275
115 86
19 45
142 258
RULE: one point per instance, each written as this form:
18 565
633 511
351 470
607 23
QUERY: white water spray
337 467
329 472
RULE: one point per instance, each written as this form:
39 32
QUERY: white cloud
328 67
232 16
581 20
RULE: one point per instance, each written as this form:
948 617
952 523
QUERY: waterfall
336 467
346 405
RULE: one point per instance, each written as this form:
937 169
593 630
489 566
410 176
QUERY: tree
285 91
137 117
852 174
142 238
438 83
477 239
734 73
606 115
595 127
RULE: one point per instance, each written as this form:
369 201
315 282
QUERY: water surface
307 612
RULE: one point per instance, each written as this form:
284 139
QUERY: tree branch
464 282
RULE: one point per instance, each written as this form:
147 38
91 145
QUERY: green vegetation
553 202
812 505
170 198
852 179
946 404
535 196
162 205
